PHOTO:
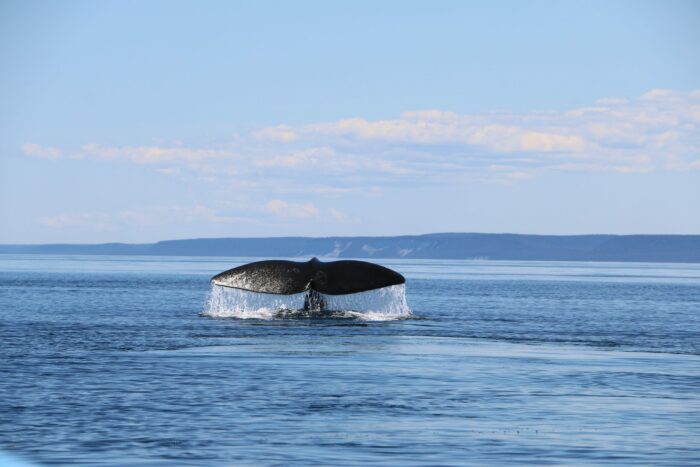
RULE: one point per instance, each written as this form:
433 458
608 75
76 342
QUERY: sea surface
119 361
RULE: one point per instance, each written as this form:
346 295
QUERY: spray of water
387 303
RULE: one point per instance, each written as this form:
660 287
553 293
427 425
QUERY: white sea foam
387 303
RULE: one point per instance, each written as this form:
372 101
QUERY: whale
315 277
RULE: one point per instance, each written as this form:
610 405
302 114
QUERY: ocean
137 361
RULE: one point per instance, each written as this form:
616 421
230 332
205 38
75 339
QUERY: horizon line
359 236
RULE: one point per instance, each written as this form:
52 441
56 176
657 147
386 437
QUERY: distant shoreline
633 248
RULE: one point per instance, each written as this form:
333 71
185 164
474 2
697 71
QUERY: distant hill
644 248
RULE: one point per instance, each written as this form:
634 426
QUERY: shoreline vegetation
481 246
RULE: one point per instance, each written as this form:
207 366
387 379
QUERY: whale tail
291 277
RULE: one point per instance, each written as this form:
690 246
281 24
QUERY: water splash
385 304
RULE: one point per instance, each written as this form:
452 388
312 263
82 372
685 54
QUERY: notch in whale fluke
290 277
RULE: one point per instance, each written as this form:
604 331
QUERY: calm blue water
107 361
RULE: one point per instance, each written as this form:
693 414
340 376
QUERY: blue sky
141 121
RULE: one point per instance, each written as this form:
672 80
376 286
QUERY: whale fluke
290 277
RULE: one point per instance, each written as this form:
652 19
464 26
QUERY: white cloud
594 167
408 130
307 157
153 154
657 94
169 170
659 130
431 114
42 152
64 220
509 139
188 214
143 217
435 127
280 133
93 221
291 210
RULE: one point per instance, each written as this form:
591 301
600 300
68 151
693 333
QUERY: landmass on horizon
486 246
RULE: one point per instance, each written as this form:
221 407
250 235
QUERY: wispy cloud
144 217
153 154
305 157
659 130
42 152
98 221
280 133
291 210
137 154
433 127
154 215
293 175
169 170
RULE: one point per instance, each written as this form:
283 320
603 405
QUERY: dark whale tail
291 277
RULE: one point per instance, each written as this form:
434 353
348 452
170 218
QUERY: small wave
385 304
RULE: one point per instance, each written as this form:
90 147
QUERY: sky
142 121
